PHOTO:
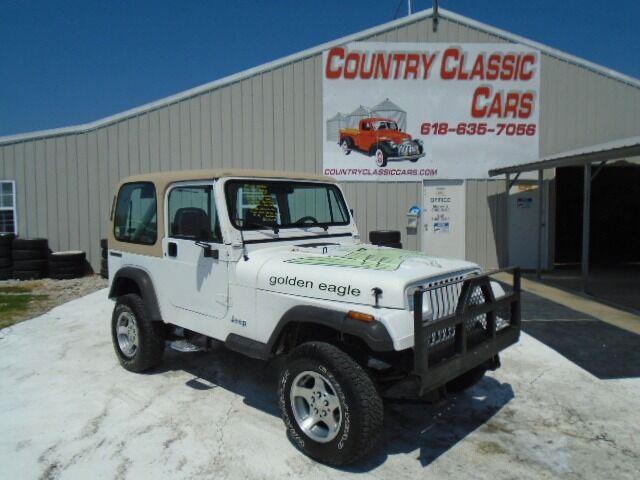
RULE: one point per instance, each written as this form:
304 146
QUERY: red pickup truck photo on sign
413 111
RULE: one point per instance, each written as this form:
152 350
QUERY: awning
584 157
617 149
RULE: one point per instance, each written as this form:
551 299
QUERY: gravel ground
68 410
51 293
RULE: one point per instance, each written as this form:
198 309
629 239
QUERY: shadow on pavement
435 429
603 350
432 429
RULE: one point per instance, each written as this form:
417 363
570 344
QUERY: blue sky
67 62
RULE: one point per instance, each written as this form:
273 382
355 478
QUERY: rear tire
137 341
346 146
319 383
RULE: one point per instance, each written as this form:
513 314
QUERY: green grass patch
14 306
15 289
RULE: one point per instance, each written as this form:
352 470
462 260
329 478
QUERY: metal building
271 117
388 109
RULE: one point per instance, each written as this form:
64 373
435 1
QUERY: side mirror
208 251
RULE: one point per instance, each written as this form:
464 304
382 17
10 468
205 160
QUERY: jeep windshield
260 204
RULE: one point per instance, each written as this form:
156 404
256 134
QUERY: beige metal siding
486 223
273 120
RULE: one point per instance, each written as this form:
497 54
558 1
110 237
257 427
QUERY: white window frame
14 208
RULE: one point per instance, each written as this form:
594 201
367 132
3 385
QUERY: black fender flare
374 333
142 279
382 145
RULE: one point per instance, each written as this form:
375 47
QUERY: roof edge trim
236 77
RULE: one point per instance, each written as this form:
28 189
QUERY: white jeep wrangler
272 264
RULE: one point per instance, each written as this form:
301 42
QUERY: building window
8 218
136 214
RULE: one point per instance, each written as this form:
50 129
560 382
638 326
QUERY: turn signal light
363 317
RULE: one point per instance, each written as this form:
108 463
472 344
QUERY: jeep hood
345 273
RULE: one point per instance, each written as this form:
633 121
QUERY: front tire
381 157
137 341
329 404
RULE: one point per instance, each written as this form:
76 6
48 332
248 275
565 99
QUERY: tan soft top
162 180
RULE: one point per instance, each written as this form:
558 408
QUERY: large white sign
414 111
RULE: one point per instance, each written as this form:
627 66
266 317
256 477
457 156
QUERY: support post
540 225
586 226
507 187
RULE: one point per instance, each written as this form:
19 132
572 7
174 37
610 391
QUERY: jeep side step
184 346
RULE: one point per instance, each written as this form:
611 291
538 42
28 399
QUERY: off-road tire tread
66 266
151 334
27 274
369 404
18 254
75 258
384 237
30 244
30 265
67 271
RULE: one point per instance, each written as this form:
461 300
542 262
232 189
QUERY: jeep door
195 258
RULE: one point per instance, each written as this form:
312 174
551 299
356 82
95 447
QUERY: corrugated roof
616 149
442 13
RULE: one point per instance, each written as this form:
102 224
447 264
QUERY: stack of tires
5 256
67 265
30 258
104 262
385 238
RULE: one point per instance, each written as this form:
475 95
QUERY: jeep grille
442 299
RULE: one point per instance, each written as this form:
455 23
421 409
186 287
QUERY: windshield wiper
311 223
323 226
274 226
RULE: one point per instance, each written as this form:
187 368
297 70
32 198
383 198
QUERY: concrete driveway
68 410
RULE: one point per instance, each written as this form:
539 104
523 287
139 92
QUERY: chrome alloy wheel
316 406
379 158
127 333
